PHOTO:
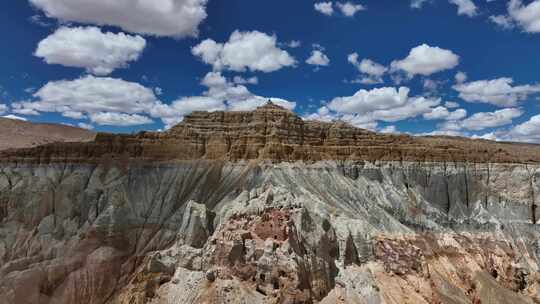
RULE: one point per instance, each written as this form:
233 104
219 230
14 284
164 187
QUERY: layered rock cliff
273 133
262 207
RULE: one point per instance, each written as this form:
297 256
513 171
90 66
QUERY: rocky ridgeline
274 133
262 207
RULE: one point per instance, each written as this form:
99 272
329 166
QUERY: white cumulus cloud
86 126
242 80
484 120
426 60
528 131
318 58
442 113
254 51
527 16
104 100
349 9
503 21
324 8
119 119
89 48
499 92
366 107
175 18
3 108
465 7
371 70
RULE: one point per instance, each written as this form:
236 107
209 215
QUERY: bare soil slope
16 134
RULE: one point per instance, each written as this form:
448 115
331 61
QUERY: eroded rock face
272 133
261 207
212 232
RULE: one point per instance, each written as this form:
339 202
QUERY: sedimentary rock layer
217 232
263 207
273 133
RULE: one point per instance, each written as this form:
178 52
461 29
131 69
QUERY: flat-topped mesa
272 132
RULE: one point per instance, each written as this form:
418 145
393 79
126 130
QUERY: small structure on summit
271 106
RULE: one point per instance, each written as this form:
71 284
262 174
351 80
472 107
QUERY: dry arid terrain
21 134
263 207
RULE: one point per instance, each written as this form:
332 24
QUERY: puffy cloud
441 133
499 92
294 44
367 66
19 109
486 136
442 113
349 9
460 77
254 50
3 108
503 21
176 18
414 107
318 58
528 131
527 16
451 104
365 101
242 80
324 8
372 70
322 114
89 48
86 126
483 120
39 20
465 7
426 60
93 97
381 104
119 119
325 114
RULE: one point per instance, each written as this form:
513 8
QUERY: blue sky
143 65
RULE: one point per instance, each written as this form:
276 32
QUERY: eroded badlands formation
262 207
